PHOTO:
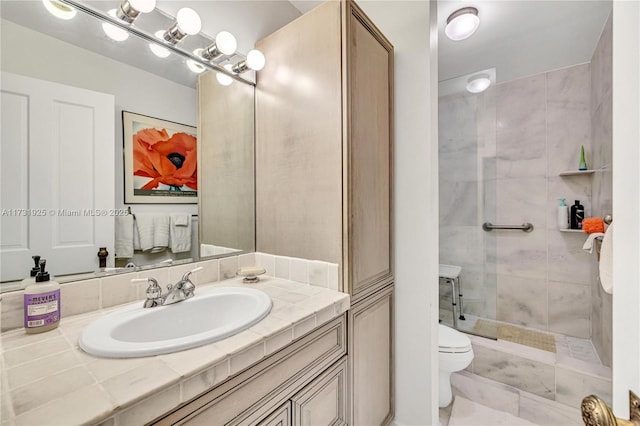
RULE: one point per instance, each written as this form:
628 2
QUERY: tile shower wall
601 122
543 278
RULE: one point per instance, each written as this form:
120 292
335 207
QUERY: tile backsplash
78 297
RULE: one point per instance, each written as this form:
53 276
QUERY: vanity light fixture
225 44
255 61
224 79
478 83
462 23
59 9
130 9
187 23
113 32
158 50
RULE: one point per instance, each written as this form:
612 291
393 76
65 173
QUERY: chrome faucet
182 290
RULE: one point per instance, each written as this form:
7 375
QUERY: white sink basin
210 315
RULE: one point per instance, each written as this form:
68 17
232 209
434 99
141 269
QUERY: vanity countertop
48 380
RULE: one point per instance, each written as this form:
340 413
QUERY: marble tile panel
278 341
289 312
520 104
488 393
459 203
548 413
244 359
185 362
570 309
268 262
84 405
318 273
203 381
80 297
519 201
461 245
105 368
238 342
460 165
468 413
522 301
282 267
303 327
299 270
11 314
457 122
247 259
136 384
38 393
16 338
150 408
228 267
268 326
525 374
572 386
6 406
117 289
37 350
210 273
37 369
601 65
333 277
591 367
522 254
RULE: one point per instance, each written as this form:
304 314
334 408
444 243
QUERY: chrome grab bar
526 227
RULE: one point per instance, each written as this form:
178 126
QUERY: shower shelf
577 172
572 230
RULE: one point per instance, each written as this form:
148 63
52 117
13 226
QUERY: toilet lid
450 340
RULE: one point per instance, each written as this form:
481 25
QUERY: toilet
454 354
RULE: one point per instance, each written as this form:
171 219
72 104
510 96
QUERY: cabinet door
323 401
369 140
280 417
371 359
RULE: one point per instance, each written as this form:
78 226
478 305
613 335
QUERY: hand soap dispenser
31 279
42 303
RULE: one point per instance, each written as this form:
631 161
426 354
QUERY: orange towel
592 224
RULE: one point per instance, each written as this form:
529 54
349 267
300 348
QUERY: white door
57 171
626 203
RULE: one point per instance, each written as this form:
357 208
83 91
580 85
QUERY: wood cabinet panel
324 401
371 359
280 417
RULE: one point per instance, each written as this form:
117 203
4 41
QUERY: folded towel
592 224
180 232
153 231
588 245
606 261
124 237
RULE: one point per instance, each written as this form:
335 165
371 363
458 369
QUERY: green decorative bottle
583 163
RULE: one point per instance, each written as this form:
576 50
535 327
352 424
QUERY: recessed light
462 23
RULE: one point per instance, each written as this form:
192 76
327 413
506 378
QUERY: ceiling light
255 61
113 32
130 9
224 79
187 23
195 67
478 83
225 44
59 9
462 23
158 50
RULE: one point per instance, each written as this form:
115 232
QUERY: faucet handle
154 292
185 277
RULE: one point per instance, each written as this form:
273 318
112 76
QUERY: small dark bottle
577 215
102 255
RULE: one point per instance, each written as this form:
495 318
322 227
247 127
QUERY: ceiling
517 37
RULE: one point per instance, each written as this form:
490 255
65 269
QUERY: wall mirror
76 53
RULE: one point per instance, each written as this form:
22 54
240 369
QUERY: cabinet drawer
280 417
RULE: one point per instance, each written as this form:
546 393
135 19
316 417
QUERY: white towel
606 261
124 237
153 231
588 245
180 232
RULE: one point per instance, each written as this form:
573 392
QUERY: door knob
596 412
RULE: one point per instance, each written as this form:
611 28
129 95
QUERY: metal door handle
596 412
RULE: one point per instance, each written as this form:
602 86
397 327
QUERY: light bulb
188 21
255 60
462 23
224 79
226 43
158 50
144 6
194 66
478 83
113 32
59 10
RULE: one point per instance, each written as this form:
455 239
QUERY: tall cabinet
324 146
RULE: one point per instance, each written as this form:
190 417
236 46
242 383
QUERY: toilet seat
452 341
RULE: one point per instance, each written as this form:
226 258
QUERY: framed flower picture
160 161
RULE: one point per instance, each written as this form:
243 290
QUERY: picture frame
160 161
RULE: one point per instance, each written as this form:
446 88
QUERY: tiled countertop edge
90 390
